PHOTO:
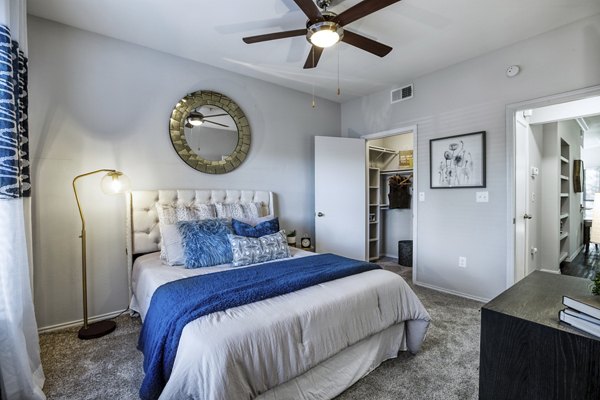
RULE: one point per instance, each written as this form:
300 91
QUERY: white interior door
341 196
522 215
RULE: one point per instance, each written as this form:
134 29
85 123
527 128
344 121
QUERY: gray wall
95 103
469 97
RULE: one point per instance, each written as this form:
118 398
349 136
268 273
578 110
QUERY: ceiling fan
196 118
325 28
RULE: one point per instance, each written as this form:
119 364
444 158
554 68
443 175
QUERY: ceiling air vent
404 93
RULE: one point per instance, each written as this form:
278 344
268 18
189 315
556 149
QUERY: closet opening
390 184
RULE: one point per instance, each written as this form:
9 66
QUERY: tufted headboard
143 235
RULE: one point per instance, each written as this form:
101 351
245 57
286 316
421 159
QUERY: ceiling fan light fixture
195 119
324 34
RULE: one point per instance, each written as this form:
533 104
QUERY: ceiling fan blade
215 115
309 8
366 44
274 36
362 9
313 57
216 123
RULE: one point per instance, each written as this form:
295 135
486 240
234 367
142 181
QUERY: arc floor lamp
114 182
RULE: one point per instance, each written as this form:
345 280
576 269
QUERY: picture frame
458 161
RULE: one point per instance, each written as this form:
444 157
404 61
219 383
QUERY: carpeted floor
445 369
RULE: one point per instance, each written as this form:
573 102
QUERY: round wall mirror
210 132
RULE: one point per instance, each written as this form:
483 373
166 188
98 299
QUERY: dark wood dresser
527 354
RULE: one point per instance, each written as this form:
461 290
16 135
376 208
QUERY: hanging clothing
21 374
399 195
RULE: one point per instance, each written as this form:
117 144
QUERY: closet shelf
562 257
564 159
563 235
564 178
564 195
563 216
373 187
396 171
374 240
382 150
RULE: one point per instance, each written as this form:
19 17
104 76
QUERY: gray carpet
446 368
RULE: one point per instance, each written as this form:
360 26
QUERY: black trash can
405 256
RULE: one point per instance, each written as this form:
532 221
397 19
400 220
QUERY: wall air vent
403 93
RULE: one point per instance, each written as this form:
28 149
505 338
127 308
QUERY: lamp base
97 329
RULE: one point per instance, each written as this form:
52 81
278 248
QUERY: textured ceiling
426 35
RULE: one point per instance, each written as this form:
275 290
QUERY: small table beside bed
310 335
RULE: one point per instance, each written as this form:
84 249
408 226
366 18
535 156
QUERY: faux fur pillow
171 213
205 242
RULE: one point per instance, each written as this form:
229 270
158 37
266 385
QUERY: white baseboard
454 292
79 322
575 254
551 271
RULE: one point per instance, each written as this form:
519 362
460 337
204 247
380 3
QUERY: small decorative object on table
305 242
291 238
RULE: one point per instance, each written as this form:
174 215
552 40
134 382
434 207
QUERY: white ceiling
427 35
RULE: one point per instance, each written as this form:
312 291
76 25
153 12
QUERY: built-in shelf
564 159
373 222
373 205
382 150
564 178
563 256
563 216
564 195
563 235
396 171
373 239
384 206
373 187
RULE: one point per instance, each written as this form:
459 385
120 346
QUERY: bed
309 344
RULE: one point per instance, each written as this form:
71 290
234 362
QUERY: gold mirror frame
177 124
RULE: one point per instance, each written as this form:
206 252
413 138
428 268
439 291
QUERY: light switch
421 196
481 197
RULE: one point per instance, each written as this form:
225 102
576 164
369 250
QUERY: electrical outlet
481 197
421 196
462 262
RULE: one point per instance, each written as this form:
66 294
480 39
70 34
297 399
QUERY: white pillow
172 244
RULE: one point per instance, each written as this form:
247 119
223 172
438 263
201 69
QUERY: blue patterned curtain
21 374
14 135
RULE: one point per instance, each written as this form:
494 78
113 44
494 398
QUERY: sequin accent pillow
205 242
247 250
239 210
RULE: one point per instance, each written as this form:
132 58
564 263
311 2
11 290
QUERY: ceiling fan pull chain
338 77
314 102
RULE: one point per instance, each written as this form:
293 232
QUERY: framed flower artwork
457 161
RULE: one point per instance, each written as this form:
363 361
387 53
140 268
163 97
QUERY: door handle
527 216
320 214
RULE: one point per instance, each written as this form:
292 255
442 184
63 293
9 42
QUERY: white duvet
246 351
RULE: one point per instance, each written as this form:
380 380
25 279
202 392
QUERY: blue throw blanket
176 303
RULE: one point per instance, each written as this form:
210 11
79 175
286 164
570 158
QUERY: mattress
312 343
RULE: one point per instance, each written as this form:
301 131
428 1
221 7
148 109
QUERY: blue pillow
264 228
205 242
